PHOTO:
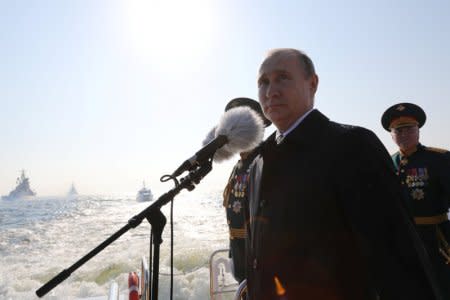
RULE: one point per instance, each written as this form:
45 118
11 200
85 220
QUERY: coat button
262 203
255 263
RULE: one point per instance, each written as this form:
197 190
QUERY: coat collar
306 132
418 148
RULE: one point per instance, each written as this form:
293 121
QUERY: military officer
424 173
235 196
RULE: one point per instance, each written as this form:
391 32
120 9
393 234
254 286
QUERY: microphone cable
166 178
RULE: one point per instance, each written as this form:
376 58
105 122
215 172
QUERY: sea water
41 237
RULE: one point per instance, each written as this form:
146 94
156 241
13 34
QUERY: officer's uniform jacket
327 219
425 179
235 198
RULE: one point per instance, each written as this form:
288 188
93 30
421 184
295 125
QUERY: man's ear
314 83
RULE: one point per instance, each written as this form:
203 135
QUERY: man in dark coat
424 173
235 196
327 220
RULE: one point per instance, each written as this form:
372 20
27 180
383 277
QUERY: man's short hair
303 59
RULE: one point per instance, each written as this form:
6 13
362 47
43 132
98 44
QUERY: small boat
73 191
144 194
22 190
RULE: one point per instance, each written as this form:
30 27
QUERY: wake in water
40 238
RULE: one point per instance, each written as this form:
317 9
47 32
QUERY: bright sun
169 29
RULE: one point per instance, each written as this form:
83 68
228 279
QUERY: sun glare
168 30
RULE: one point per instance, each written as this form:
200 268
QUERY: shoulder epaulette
439 150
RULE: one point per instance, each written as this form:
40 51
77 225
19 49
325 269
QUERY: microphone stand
157 220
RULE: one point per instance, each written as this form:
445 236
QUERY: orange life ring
133 286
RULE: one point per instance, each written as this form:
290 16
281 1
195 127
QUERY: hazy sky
106 94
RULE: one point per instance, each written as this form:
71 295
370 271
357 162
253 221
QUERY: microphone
240 129
221 153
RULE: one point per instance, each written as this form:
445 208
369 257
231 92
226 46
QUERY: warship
22 189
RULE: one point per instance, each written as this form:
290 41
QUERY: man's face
406 137
284 92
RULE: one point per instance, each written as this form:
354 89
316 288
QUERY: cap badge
400 108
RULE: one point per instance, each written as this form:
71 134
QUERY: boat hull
144 197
